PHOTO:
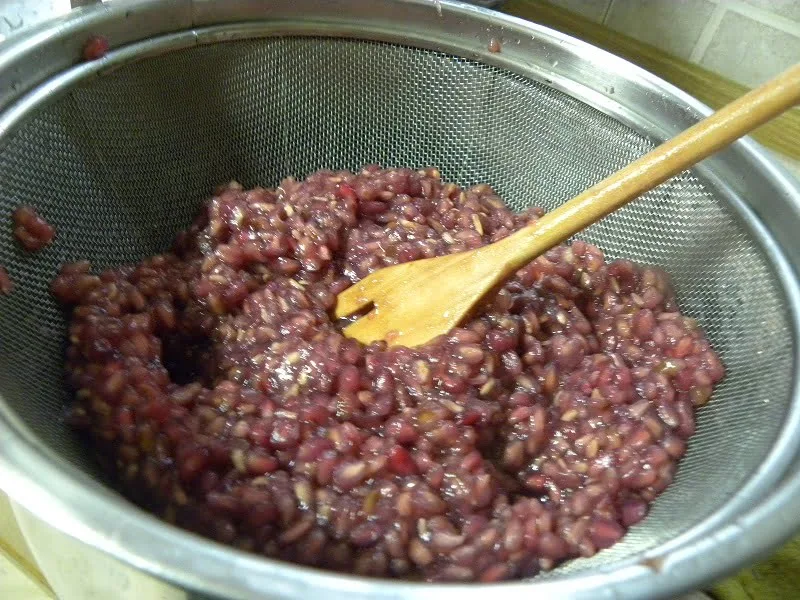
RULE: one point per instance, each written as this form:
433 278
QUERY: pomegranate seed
401 462
347 192
96 47
605 533
6 284
259 464
193 464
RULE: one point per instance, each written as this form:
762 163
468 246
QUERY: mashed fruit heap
225 398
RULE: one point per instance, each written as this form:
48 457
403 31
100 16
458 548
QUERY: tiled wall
16 15
744 40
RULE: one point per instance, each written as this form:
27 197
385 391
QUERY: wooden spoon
416 301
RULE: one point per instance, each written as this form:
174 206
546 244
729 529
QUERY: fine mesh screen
122 163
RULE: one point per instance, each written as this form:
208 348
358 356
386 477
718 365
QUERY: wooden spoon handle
670 158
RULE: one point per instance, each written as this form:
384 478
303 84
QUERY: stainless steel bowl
95 144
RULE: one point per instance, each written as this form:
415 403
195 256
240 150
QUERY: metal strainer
118 153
